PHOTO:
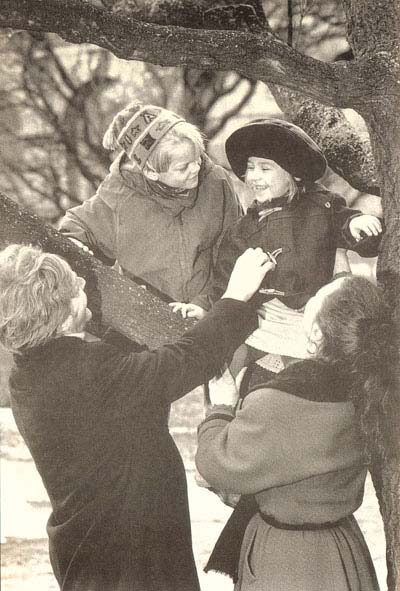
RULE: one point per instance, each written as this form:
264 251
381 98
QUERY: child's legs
242 357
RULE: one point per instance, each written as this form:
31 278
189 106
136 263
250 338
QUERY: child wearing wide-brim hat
299 222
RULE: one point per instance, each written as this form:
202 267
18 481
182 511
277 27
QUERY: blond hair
161 157
36 289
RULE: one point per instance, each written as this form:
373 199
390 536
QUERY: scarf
171 199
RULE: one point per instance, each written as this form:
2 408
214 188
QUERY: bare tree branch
258 56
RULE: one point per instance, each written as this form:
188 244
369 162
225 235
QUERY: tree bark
374 33
259 56
348 154
370 84
114 300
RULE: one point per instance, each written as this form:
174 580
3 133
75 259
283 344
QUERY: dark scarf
172 199
309 379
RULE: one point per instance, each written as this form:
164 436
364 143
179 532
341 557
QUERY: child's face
183 171
266 179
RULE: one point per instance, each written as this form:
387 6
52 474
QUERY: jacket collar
261 210
133 177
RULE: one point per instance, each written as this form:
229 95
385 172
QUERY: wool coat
95 419
308 230
167 243
295 448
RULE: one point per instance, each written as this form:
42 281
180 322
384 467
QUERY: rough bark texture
374 32
259 56
348 154
114 300
370 84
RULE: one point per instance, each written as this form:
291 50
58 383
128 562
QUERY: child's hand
369 224
188 310
80 244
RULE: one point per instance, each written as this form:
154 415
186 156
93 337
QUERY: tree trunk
385 137
370 84
114 300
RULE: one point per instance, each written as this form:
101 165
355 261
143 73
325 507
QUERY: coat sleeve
94 224
232 207
241 455
342 216
229 250
275 439
171 371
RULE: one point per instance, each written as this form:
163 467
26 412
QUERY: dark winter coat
95 419
157 240
309 230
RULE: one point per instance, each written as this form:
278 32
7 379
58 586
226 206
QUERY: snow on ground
25 508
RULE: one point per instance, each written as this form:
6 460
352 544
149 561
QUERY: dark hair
359 335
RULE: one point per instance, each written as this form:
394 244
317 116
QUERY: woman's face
315 304
183 171
266 179
80 313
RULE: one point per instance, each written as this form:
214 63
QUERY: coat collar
311 379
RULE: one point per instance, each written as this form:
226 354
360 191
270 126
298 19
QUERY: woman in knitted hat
161 210
295 219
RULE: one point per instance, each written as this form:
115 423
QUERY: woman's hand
342 264
224 389
368 224
80 244
248 273
188 310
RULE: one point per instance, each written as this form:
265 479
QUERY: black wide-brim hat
278 140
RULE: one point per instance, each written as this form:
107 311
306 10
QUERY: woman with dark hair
298 450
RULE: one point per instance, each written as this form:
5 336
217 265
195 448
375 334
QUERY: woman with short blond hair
94 415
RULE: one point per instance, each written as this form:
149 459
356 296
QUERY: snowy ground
25 508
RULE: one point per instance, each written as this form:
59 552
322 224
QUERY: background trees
237 36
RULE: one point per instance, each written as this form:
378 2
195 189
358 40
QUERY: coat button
327 204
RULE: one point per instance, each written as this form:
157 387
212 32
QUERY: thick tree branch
373 26
258 56
348 154
114 300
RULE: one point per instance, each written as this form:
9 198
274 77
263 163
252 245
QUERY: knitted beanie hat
138 129
277 140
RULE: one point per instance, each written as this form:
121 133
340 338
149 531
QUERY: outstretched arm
173 370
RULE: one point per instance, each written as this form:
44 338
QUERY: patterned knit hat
278 140
138 129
